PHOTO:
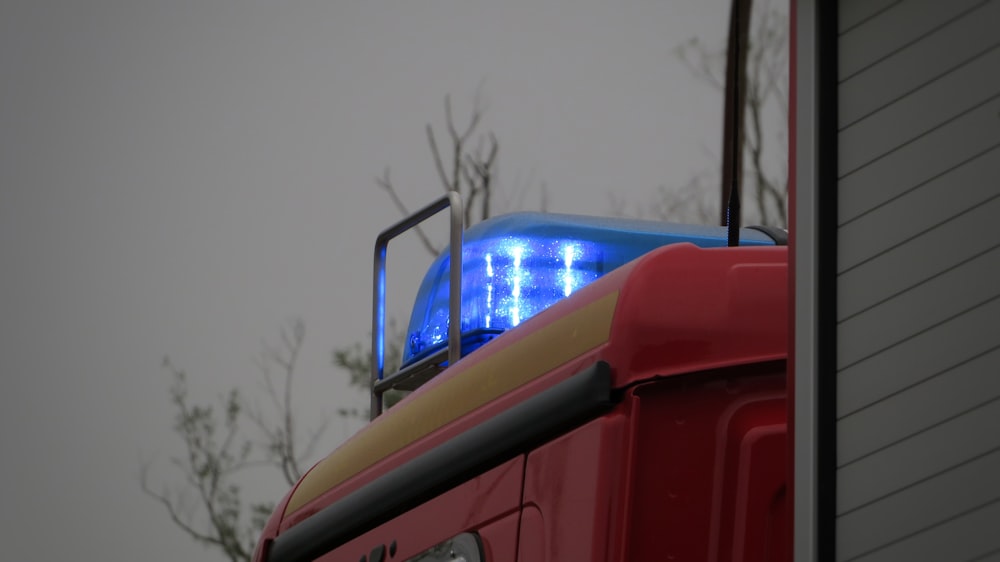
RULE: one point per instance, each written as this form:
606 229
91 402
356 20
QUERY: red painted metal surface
709 469
574 494
689 466
684 309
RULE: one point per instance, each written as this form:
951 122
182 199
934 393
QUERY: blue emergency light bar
515 266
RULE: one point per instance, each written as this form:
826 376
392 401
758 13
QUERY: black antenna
732 142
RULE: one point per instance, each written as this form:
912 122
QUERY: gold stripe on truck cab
532 356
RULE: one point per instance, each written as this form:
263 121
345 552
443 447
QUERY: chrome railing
454 201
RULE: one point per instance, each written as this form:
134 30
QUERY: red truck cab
641 417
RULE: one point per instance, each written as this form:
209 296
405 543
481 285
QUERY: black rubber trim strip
779 235
826 279
580 397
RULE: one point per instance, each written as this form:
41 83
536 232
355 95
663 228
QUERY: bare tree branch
766 84
217 451
386 183
436 154
210 461
471 172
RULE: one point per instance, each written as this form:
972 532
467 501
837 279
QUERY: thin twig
386 183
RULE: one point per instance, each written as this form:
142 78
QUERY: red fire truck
583 389
606 390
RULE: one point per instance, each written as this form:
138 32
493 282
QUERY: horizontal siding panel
919 407
972 536
918 210
909 313
894 29
851 13
919 112
926 60
926 355
922 456
918 281
939 249
927 157
918 508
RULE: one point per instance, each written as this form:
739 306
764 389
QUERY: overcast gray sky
183 177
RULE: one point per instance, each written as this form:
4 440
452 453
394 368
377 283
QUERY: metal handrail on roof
407 378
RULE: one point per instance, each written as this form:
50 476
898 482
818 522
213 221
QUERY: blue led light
516 266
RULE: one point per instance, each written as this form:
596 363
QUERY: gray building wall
918 280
